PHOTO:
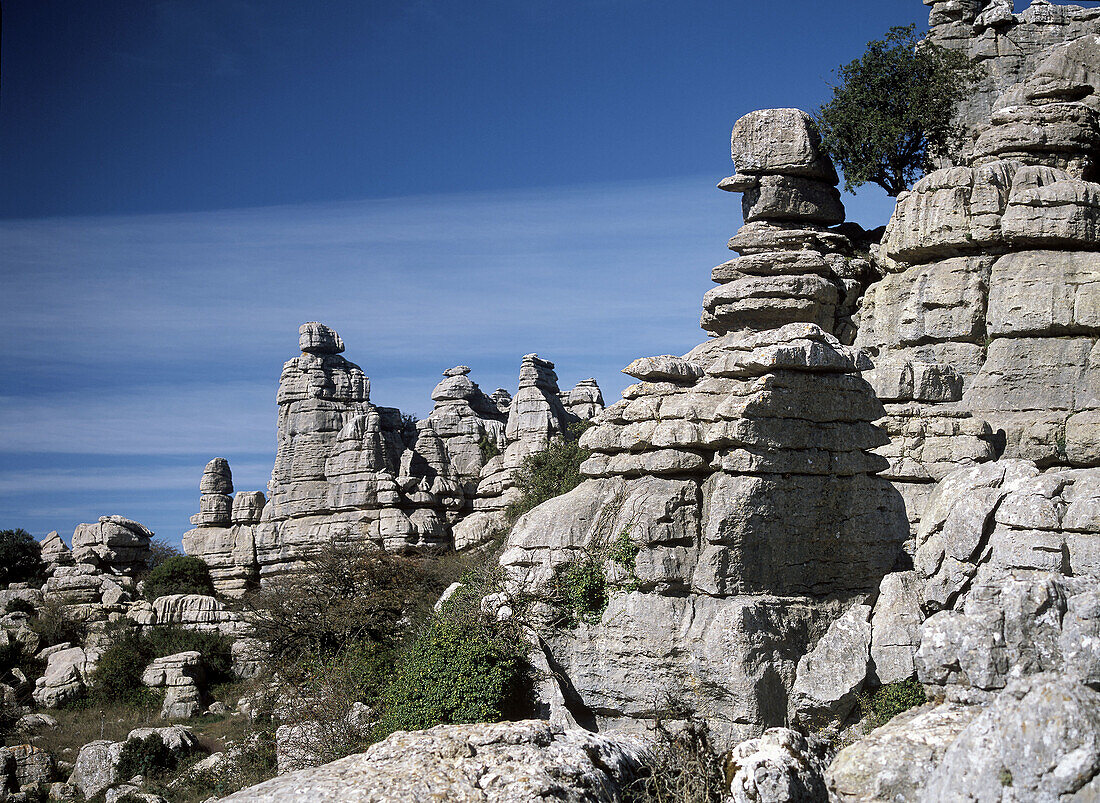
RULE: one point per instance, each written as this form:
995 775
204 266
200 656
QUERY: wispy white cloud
108 479
158 340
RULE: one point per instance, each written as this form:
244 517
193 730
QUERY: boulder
316 338
96 767
1039 740
781 766
830 676
894 761
116 544
522 762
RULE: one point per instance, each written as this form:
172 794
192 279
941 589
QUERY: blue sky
183 183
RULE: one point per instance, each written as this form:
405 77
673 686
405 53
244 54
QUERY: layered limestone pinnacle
792 268
347 469
739 474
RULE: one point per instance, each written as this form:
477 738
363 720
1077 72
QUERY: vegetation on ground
117 674
887 701
893 111
687 768
55 624
20 558
463 666
179 574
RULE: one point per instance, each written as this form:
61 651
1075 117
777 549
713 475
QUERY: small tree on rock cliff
20 558
893 110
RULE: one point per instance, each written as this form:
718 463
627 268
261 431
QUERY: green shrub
624 551
216 649
892 699
488 448
18 605
117 674
462 667
552 472
893 110
20 558
584 587
179 575
11 656
148 756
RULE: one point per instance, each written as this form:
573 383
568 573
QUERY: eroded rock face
984 330
732 502
114 544
894 762
1040 738
511 762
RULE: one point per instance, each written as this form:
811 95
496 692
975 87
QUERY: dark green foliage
488 448
130 797
347 593
20 558
179 575
17 605
217 659
893 110
552 472
148 756
583 584
463 667
11 656
892 699
117 675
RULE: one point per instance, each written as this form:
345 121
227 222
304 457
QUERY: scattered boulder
514 761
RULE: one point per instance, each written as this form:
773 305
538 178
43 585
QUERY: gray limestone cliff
731 502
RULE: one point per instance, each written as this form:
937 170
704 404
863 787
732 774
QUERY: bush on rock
552 472
179 575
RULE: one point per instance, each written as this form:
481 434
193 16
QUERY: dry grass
79 725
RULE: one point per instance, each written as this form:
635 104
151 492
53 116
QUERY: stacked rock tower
792 267
732 502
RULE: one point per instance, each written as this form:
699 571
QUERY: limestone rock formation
65 679
347 470
894 761
736 488
180 676
509 762
115 544
791 268
1041 738
984 331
